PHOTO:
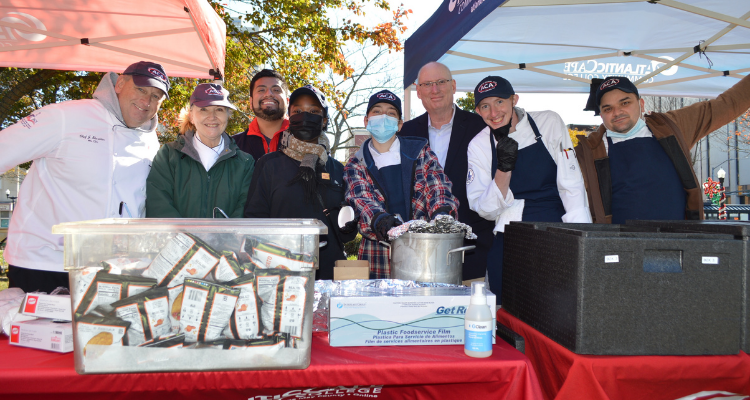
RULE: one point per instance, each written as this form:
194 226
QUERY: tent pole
407 103
703 45
706 13
205 47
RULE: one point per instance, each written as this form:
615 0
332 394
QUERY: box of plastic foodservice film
191 294
43 334
47 306
416 316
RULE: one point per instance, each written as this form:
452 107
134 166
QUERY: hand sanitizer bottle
478 324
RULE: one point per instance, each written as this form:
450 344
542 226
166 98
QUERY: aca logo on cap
609 83
158 74
386 96
487 86
212 91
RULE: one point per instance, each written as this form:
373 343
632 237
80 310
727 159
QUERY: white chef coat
485 197
86 162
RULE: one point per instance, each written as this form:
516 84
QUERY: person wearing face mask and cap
393 179
302 180
638 167
521 168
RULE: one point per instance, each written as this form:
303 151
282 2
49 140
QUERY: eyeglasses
428 85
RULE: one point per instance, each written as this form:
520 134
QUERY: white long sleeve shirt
86 162
440 138
485 197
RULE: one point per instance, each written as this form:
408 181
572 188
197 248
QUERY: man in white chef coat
90 160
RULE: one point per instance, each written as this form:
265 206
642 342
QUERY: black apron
534 180
645 183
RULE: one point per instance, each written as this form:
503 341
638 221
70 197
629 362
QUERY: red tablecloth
408 372
565 375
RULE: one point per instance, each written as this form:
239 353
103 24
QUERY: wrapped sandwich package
196 290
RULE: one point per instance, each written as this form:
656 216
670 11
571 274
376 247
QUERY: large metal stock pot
428 257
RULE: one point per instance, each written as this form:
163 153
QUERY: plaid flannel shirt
432 190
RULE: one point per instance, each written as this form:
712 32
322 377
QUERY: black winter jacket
270 196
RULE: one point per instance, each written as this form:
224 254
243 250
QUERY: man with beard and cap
90 161
449 130
638 166
268 95
390 178
521 168
302 180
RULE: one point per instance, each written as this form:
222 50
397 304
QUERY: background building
10 183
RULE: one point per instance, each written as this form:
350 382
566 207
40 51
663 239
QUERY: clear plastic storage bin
259 272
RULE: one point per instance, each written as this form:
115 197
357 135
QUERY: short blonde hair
184 120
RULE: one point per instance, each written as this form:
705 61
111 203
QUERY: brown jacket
677 131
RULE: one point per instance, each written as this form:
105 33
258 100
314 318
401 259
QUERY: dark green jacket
178 185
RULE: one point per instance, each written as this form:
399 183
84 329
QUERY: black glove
385 224
507 153
350 227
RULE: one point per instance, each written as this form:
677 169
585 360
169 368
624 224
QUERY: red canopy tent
186 36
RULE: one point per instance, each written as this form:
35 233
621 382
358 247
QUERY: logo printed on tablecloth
339 392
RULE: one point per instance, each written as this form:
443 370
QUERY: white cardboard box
422 316
47 306
43 334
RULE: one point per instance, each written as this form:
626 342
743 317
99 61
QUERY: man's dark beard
269 115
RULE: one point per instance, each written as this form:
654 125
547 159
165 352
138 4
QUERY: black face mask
502 131
305 125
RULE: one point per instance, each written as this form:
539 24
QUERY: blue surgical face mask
635 129
382 127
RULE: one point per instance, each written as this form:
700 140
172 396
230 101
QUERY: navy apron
645 184
534 180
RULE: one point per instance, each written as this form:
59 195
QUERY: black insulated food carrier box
625 290
741 232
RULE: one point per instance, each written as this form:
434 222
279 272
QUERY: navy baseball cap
492 86
384 96
210 94
149 74
614 82
310 90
